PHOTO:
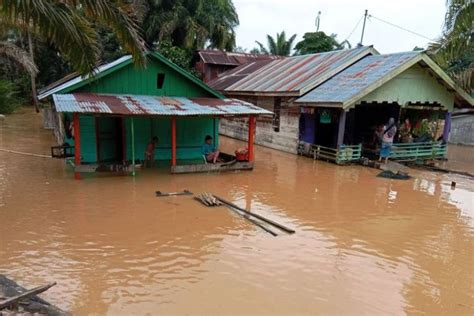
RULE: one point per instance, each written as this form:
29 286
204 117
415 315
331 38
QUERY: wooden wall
285 139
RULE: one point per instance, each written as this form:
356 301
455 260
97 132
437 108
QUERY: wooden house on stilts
105 121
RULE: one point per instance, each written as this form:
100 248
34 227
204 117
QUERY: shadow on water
363 244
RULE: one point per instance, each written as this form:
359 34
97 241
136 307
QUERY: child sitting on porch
150 152
209 151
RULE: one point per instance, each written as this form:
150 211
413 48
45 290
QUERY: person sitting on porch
150 152
209 151
387 139
405 132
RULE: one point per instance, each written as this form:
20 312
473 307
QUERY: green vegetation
190 24
454 51
8 97
279 45
50 38
317 42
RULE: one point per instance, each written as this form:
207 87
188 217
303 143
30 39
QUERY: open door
110 139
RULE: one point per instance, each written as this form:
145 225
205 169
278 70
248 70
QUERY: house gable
414 85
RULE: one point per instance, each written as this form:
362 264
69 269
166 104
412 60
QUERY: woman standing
387 139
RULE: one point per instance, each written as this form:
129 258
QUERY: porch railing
343 154
427 150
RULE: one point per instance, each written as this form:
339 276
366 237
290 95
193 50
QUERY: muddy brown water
363 245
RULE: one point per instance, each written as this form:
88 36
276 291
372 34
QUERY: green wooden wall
88 138
143 81
190 134
413 85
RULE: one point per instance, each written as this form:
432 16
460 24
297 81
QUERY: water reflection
364 245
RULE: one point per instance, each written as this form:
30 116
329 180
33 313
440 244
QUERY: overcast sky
261 17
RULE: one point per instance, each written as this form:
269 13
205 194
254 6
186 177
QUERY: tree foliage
317 42
279 45
454 51
8 97
191 24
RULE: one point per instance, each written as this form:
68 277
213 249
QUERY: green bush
8 97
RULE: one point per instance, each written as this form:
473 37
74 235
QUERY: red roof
219 57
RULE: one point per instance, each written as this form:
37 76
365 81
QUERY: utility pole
363 28
318 20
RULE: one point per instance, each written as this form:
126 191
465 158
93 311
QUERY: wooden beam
132 130
173 141
342 128
37 290
77 144
252 123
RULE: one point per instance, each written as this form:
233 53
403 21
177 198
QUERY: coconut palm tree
277 46
191 24
18 55
69 26
454 51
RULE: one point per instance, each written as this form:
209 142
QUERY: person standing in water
387 139
209 151
150 152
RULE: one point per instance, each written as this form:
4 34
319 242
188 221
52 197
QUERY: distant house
328 105
213 62
107 120
462 127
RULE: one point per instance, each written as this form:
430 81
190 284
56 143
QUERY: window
160 80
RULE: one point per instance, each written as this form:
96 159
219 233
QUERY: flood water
363 245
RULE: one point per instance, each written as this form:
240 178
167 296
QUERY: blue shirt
206 149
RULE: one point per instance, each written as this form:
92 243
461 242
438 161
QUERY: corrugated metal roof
75 78
291 75
152 105
219 57
233 76
357 78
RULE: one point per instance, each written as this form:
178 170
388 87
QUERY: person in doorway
405 132
209 150
150 152
387 139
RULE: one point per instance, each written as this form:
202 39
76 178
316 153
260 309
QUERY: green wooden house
106 120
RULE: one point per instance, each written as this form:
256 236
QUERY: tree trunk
32 76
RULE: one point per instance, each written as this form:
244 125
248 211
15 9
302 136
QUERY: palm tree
191 24
279 46
69 26
454 50
18 55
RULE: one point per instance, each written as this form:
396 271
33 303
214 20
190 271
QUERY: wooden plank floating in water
210 200
15 299
161 194
269 221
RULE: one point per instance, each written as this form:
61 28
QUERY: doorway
110 139
327 127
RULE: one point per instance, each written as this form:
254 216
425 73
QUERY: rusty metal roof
152 105
219 57
360 79
291 76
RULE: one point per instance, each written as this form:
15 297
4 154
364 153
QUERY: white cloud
261 17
